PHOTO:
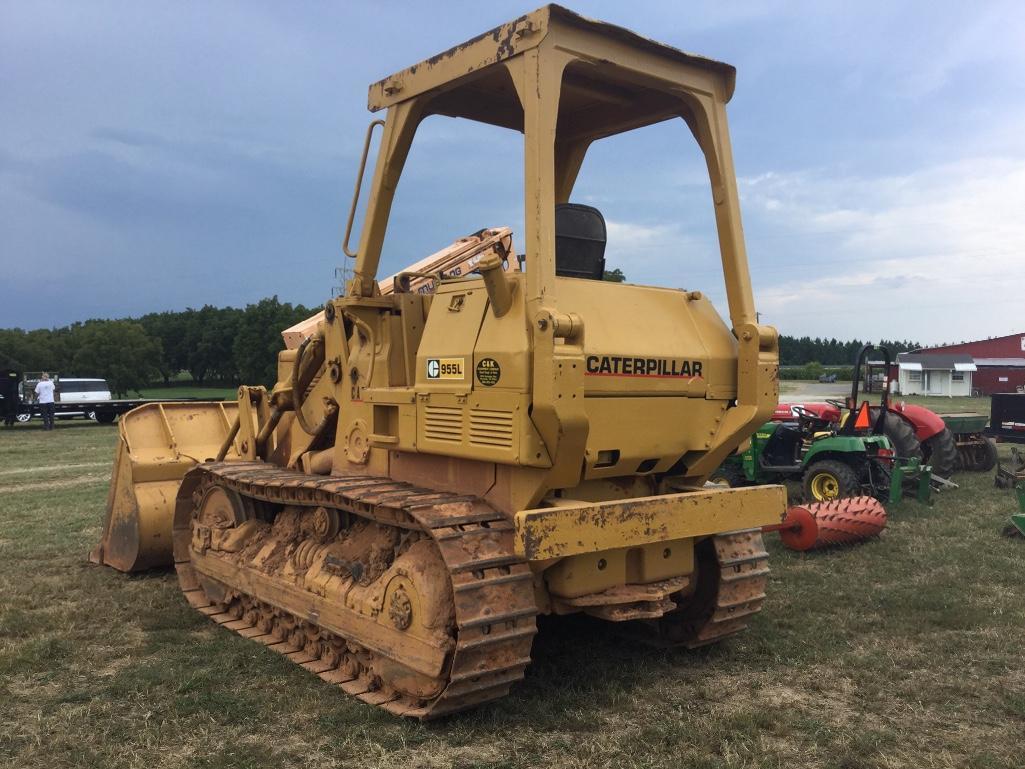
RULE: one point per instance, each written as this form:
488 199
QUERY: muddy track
733 572
493 617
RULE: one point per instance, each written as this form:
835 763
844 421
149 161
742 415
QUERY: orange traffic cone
863 422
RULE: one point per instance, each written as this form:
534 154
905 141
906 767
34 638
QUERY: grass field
943 405
189 391
940 404
903 652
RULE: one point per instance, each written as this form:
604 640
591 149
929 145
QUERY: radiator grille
443 423
491 428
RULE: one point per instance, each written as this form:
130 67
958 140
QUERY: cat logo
661 368
445 368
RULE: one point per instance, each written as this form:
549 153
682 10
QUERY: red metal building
1000 362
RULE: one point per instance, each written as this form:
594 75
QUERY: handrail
359 184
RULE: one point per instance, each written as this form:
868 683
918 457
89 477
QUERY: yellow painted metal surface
570 380
158 443
487 396
594 572
595 361
589 527
516 37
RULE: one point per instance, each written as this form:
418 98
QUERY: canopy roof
470 81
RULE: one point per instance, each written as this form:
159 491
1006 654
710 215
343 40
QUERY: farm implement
819 525
1013 477
1018 519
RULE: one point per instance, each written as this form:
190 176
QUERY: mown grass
902 652
190 391
943 405
938 403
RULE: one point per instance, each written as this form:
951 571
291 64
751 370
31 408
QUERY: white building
935 373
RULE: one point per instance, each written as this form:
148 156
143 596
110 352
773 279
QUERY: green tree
209 335
14 350
28 350
814 369
169 328
799 351
258 340
614 275
119 351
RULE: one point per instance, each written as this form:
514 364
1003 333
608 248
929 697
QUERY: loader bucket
159 443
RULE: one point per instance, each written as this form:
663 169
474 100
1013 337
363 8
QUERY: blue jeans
46 409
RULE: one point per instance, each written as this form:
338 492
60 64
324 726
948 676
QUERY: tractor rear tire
728 475
830 479
902 436
984 456
940 451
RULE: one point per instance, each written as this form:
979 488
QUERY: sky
157 156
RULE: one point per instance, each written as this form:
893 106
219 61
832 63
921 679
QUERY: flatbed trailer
1007 417
103 411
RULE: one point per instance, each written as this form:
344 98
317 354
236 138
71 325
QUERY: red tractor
914 431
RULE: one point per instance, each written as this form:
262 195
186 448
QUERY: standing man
44 397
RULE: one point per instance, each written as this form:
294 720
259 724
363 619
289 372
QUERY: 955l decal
445 368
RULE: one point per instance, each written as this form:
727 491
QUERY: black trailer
9 399
1007 417
104 412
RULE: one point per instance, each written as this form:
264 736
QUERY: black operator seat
784 447
579 241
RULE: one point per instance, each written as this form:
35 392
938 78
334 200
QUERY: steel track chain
733 597
492 588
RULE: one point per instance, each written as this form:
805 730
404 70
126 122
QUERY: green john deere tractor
829 464
831 460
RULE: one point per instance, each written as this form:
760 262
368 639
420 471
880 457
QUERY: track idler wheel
732 574
837 522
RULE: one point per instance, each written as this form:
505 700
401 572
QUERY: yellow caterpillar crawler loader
434 469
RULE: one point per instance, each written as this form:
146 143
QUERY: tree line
225 345
800 351
232 345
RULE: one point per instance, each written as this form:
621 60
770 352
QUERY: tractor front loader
434 469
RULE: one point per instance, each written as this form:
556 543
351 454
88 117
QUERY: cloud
638 237
986 33
665 254
935 254
156 158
